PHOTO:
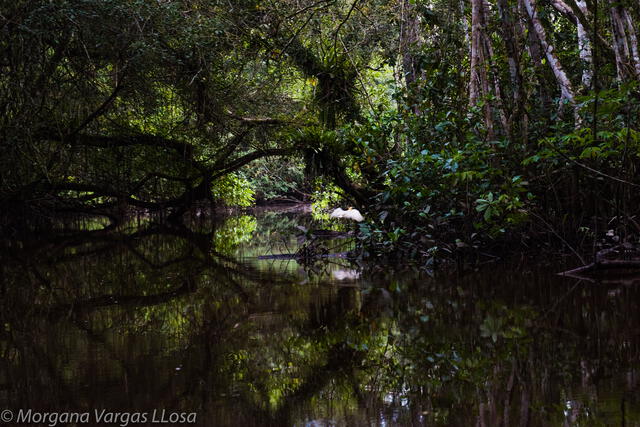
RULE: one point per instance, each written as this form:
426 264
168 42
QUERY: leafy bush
233 190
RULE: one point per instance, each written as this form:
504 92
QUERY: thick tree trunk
577 14
479 81
620 46
511 44
584 48
566 90
633 42
465 24
477 57
535 51
625 43
563 8
409 31
497 87
409 41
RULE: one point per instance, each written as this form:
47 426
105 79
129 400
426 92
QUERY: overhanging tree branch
248 158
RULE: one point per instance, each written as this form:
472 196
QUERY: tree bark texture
512 48
584 49
409 42
625 42
566 89
409 39
479 79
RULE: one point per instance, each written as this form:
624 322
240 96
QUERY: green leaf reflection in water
235 231
159 316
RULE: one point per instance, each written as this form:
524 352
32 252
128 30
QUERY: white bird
346 274
350 213
337 213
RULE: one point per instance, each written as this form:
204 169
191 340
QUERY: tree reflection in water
157 316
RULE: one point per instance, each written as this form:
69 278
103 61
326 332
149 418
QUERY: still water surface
193 320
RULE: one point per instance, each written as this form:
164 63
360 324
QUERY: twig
610 264
304 9
582 165
364 88
344 21
558 236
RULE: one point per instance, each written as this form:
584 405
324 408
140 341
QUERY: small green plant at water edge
500 209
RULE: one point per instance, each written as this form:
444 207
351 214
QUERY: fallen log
606 264
297 256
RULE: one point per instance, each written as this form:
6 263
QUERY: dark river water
153 323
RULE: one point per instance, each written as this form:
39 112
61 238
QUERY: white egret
337 213
346 274
350 213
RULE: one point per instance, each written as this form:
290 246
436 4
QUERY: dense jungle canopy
441 119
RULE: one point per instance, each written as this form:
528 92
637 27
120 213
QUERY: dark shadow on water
190 319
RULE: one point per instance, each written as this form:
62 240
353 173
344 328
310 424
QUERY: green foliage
441 180
506 209
273 178
325 197
438 181
594 171
233 190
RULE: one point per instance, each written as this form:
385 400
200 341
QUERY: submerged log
609 260
297 256
609 264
